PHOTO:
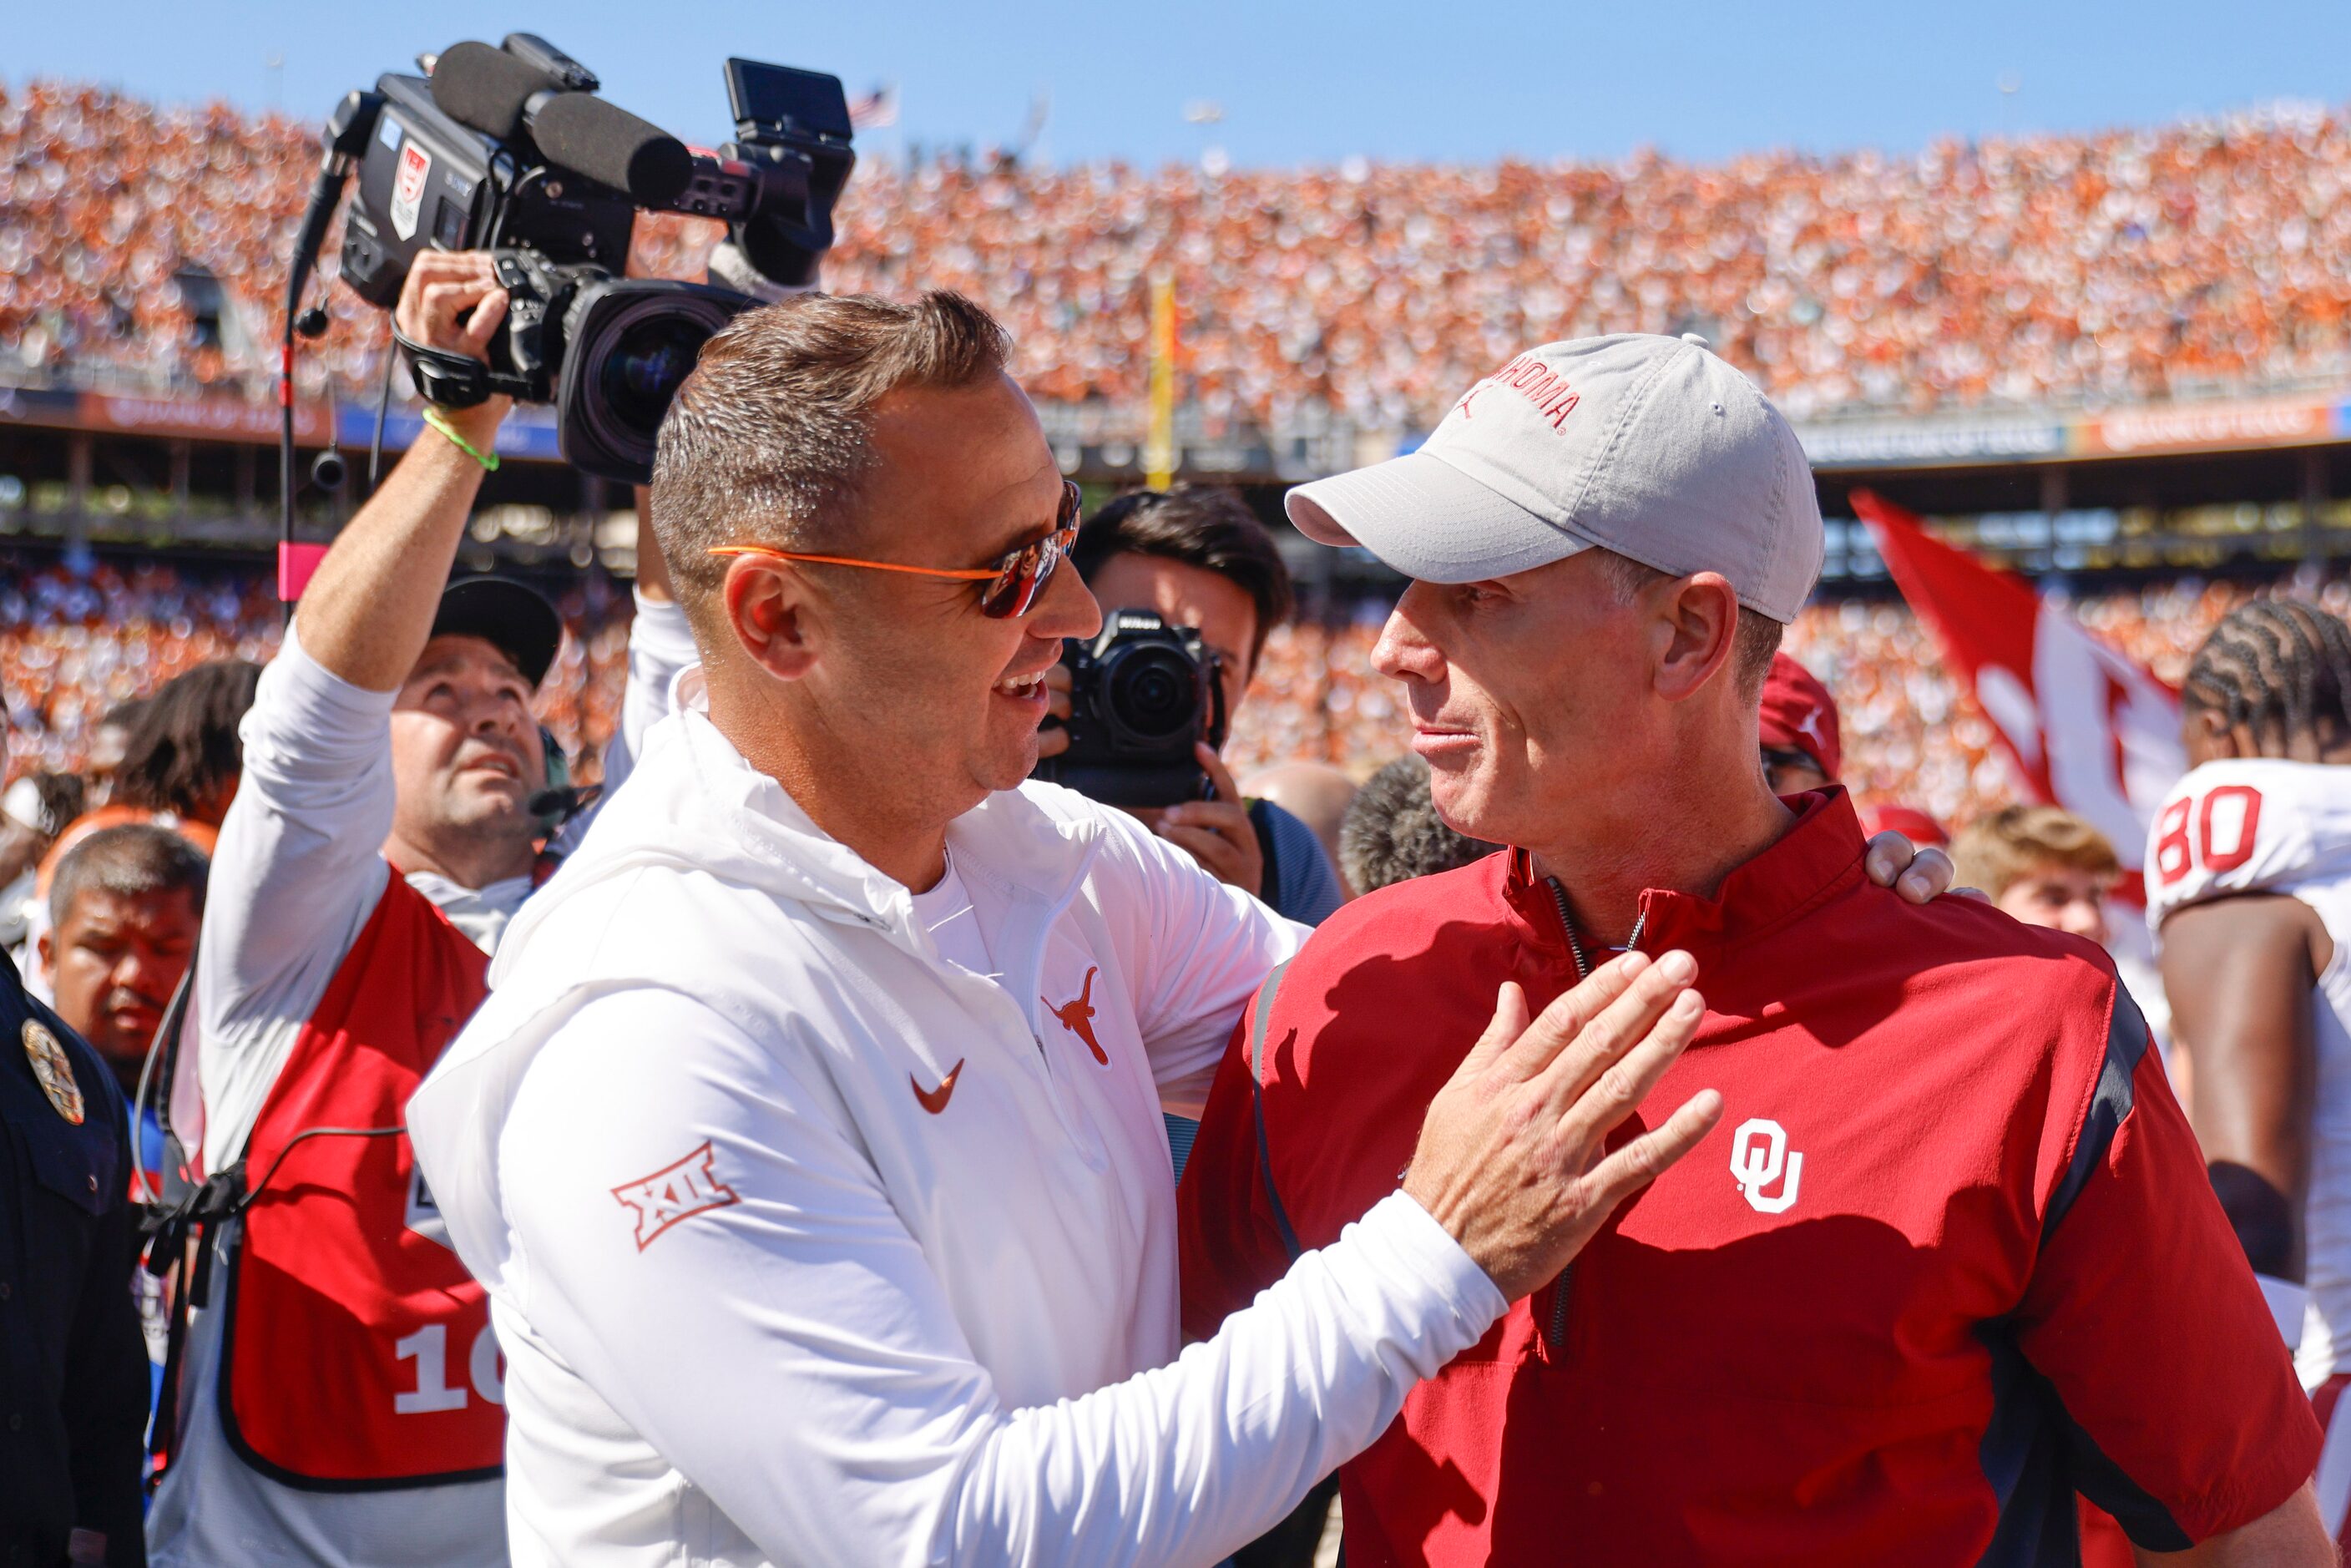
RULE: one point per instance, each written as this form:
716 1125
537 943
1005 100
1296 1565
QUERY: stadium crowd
2127 265
358 812
72 647
75 646
1911 735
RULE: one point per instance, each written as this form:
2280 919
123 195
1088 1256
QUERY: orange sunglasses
1013 582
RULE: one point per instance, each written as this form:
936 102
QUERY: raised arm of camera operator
369 612
299 864
2239 972
793 1353
660 644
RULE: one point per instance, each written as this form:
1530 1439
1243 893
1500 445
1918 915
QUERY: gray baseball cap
1649 446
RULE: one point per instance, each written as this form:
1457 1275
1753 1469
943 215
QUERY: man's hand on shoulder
1917 875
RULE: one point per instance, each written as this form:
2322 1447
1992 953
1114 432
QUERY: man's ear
48 948
1702 614
770 611
2217 738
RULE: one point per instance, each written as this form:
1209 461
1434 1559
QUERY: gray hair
1391 832
130 861
766 442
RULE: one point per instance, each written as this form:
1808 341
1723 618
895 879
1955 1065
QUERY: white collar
692 802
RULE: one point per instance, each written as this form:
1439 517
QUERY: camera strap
452 379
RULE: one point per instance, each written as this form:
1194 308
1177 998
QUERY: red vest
357 1352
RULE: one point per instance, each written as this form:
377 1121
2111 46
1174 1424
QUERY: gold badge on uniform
55 1071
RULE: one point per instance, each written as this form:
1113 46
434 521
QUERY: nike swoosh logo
935 1100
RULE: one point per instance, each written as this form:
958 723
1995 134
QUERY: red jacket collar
1820 854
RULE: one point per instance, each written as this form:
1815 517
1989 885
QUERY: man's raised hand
1512 1159
368 612
441 287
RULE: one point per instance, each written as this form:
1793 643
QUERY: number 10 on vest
429 1348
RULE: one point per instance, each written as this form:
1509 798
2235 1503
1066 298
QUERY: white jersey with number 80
2262 825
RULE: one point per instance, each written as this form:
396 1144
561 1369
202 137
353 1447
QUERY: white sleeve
661 644
297 871
790 1352
1197 949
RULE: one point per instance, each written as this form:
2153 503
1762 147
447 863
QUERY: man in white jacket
809 1143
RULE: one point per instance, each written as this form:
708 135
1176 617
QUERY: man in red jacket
1954 1258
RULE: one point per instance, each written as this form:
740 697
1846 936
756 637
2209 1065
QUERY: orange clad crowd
2124 265
2127 265
72 647
1910 734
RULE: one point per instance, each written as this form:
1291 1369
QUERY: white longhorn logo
1758 1156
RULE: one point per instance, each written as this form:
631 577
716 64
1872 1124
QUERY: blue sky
1542 79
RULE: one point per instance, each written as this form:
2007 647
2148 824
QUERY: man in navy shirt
73 1368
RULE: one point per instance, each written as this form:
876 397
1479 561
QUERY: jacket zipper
1555 1329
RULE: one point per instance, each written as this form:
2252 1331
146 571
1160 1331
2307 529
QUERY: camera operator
1198 557
340 1398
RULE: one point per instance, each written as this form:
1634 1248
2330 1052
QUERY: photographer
1198 557
340 1398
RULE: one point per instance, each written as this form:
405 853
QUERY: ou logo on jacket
1760 1156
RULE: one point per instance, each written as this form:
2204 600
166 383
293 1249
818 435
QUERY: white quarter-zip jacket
807 1245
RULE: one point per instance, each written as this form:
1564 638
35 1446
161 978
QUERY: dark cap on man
512 617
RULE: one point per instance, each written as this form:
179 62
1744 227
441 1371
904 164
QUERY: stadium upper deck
2128 267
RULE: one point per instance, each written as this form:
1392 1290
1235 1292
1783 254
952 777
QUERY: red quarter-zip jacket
1950 1256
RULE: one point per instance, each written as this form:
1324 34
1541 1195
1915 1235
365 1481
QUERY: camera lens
630 345
1154 693
642 371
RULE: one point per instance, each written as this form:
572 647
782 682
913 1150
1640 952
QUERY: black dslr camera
1141 693
509 150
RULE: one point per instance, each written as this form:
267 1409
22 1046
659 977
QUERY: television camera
509 150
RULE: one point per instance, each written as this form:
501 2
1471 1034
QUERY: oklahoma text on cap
1645 446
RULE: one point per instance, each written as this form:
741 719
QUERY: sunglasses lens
1025 575
1013 591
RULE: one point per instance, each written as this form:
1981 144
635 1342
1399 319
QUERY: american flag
875 109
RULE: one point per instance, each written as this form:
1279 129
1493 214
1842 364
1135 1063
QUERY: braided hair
2282 669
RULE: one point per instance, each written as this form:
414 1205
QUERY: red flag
2088 727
